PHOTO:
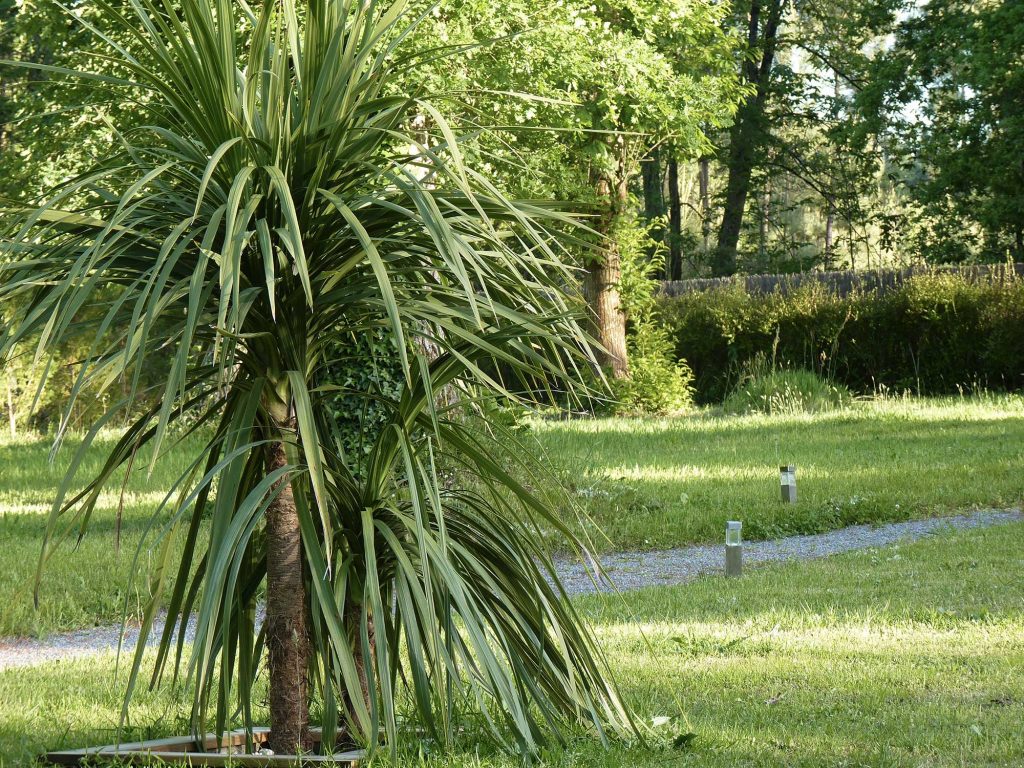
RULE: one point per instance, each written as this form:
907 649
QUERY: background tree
949 91
763 20
798 145
615 81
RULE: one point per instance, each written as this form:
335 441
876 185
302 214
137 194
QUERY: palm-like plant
270 203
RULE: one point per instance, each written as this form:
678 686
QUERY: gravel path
635 570
628 570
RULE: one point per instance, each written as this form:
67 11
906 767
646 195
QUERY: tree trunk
287 624
853 255
654 201
766 202
704 180
737 187
601 285
675 221
830 220
745 136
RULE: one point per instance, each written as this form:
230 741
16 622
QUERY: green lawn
905 656
647 483
654 483
84 584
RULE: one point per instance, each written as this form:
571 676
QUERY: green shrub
658 383
775 391
936 334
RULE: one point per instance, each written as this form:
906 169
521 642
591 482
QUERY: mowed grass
86 582
904 656
654 483
646 483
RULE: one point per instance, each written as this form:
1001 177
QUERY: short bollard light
733 548
787 476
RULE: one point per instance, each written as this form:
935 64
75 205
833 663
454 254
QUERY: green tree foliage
581 92
51 126
799 131
611 80
950 90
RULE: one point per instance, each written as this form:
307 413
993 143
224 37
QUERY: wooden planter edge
176 750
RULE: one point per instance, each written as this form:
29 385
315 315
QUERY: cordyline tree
267 202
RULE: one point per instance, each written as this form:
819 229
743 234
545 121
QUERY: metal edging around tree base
181 750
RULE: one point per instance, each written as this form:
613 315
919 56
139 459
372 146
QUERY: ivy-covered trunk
601 283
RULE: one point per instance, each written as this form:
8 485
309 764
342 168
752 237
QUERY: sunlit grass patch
87 581
650 483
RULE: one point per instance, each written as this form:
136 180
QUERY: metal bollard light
733 548
787 477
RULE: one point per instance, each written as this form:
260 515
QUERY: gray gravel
628 571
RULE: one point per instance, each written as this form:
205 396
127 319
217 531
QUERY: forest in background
700 138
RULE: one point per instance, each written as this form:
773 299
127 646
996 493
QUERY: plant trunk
601 285
287 623
364 665
675 220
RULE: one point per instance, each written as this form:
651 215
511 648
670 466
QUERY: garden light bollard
733 548
787 477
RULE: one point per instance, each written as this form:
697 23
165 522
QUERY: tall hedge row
935 334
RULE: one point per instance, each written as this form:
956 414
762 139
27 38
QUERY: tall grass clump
766 389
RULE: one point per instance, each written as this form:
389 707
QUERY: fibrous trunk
286 624
364 664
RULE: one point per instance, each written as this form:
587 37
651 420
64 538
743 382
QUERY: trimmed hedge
845 281
935 334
